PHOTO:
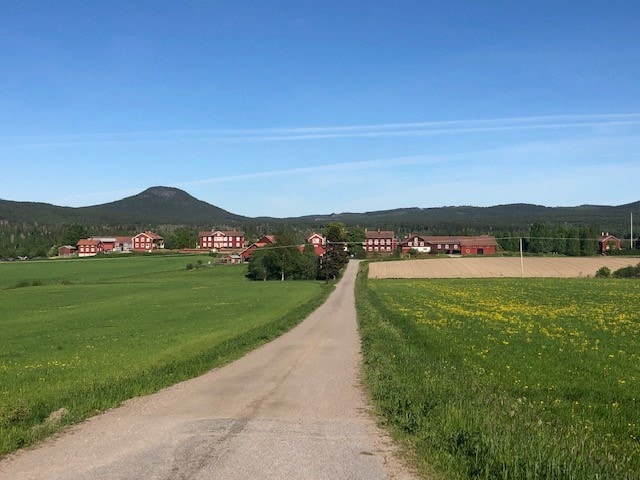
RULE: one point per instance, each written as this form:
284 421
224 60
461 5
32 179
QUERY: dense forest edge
35 230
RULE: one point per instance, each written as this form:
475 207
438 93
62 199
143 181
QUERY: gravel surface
292 409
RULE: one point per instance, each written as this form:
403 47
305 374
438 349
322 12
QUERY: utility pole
521 260
631 234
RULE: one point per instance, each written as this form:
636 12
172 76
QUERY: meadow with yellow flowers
507 378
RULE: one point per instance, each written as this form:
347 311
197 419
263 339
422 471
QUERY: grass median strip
507 378
75 347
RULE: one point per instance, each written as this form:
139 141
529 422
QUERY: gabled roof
230 233
484 240
607 237
317 249
151 235
409 238
462 240
379 234
123 239
226 233
265 240
89 241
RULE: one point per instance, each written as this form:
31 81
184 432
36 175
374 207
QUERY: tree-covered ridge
34 229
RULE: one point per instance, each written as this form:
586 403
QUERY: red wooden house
381 241
607 243
448 244
108 243
261 242
480 245
89 247
224 240
418 243
147 242
123 244
319 244
67 251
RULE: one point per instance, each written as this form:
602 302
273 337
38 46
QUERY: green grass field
86 334
507 378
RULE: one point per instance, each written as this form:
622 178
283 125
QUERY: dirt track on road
486 267
292 409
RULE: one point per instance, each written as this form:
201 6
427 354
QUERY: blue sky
287 108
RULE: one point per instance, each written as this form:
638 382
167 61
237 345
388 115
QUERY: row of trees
33 240
286 261
559 239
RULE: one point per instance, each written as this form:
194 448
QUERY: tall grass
507 378
110 334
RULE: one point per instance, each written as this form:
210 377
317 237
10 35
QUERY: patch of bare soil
493 267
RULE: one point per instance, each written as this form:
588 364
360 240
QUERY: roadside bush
627 272
603 272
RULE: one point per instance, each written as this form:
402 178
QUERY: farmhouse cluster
384 241
89 247
238 250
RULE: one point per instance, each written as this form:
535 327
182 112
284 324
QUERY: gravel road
292 409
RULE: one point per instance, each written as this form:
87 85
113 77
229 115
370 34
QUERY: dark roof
462 240
379 234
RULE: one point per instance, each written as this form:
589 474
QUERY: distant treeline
33 240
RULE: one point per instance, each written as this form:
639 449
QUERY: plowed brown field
479 267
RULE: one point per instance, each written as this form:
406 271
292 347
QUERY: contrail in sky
412 129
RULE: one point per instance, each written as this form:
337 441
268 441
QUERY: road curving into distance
292 409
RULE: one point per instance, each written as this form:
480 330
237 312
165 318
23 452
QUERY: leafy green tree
588 241
74 233
181 238
283 260
573 242
508 241
539 238
307 265
335 257
355 239
258 268
285 253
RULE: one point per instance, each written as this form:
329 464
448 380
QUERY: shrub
627 272
603 272
189 266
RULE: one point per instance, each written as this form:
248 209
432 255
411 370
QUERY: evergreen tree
335 257
74 233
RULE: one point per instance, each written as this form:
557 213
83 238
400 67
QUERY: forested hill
468 219
33 229
154 206
158 206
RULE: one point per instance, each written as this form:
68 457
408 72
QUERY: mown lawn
508 378
87 334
